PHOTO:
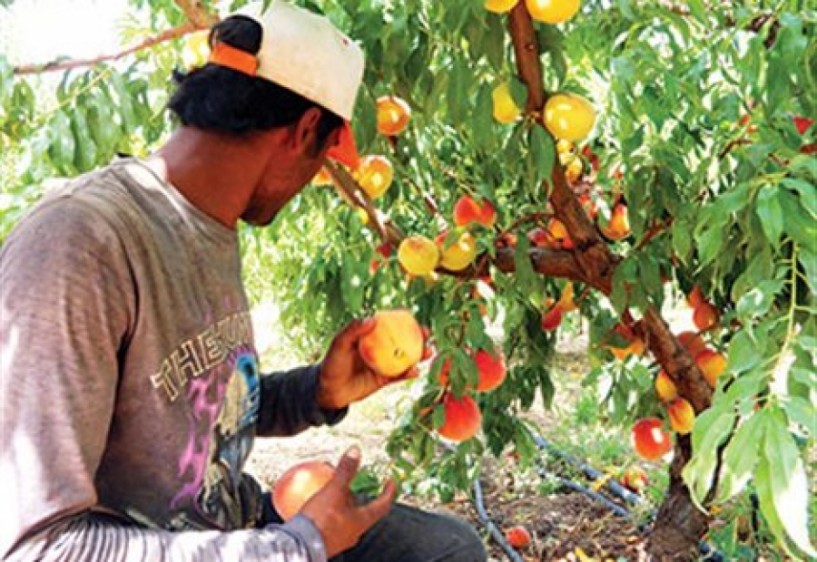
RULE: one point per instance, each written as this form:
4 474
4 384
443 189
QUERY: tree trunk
679 525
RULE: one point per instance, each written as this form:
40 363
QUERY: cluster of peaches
649 438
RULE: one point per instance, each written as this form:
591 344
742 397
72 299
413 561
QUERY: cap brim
345 151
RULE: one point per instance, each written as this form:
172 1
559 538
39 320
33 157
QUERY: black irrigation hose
565 483
593 474
496 534
707 551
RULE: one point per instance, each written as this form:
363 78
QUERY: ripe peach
802 124
681 415
395 344
418 255
619 226
538 237
467 210
552 11
551 319
518 537
462 418
649 439
712 364
558 235
568 116
298 484
635 479
374 174
492 370
573 166
566 302
458 255
500 6
705 316
665 387
692 341
635 347
393 115
695 297
505 109
384 250
322 178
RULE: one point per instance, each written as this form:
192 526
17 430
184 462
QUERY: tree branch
66 64
198 18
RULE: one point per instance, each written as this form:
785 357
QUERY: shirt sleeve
94 536
288 403
65 304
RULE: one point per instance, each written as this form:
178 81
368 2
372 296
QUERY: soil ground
564 525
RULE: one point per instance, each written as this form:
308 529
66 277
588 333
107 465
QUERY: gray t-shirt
130 385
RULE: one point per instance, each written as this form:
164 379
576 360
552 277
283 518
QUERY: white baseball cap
303 52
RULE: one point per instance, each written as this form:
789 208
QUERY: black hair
217 98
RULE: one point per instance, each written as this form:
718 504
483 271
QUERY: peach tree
529 161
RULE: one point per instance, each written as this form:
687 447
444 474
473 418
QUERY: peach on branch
505 109
394 345
463 417
374 174
467 211
458 255
492 370
393 115
551 319
693 342
665 387
705 316
569 117
618 228
298 484
649 439
681 415
322 178
418 255
712 364
552 11
500 6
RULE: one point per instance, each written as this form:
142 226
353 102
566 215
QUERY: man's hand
344 377
336 513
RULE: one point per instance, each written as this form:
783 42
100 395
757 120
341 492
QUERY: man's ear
305 137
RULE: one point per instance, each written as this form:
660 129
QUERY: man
130 387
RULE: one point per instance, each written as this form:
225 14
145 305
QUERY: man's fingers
379 507
356 329
347 466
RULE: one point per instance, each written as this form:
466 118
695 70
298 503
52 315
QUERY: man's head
281 68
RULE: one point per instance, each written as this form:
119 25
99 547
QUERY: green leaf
788 485
769 211
741 456
744 352
712 427
758 300
544 153
807 192
799 225
801 411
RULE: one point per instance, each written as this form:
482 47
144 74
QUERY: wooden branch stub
526 49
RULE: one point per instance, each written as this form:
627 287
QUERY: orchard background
694 182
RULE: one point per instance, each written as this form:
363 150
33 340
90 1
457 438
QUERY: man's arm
288 403
94 536
67 307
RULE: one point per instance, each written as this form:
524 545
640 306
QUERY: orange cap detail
231 57
345 151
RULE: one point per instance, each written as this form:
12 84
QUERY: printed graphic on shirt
202 353
223 403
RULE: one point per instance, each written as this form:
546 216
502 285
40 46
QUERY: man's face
287 174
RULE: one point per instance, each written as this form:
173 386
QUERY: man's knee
467 545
